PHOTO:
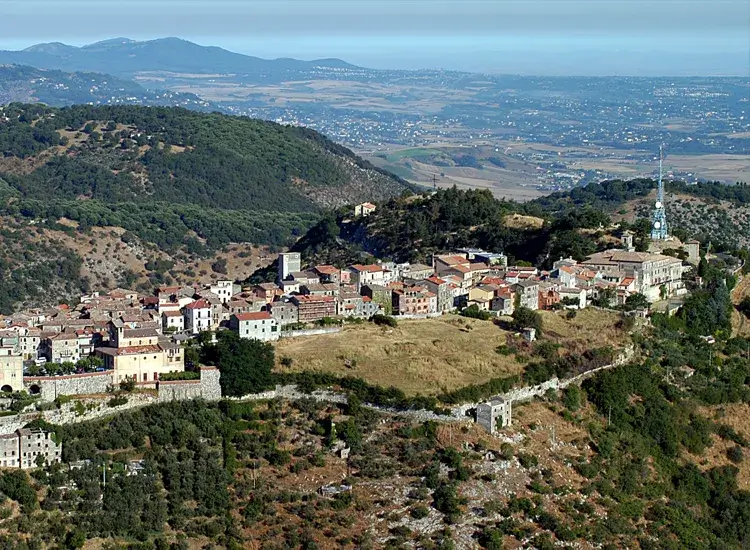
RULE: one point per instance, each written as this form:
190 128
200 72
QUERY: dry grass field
419 356
431 355
590 328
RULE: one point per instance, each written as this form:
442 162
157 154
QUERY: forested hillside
574 223
177 180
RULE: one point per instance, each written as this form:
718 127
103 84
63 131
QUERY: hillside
411 229
125 57
179 181
57 88
575 223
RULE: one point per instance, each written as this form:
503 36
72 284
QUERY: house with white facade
198 316
260 326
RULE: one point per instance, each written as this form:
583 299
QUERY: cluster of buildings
141 337
26 447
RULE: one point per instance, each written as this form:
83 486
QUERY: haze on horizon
544 37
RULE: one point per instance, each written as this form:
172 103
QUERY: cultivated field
431 355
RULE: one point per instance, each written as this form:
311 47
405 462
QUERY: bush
384 320
473 312
419 512
117 401
572 398
735 454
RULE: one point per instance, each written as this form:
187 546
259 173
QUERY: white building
260 326
198 316
652 272
289 262
223 289
365 275
172 321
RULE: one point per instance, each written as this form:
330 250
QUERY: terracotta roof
371 268
435 280
199 304
452 260
171 314
327 269
257 316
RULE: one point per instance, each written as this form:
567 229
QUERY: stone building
494 414
285 313
314 308
652 272
11 363
528 294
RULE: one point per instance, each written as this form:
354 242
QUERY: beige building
62 348
139 354
11 363
652 272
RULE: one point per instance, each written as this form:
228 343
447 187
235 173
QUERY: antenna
434 182
661 182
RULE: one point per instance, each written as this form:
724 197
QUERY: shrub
117 401
384 320
473 312
419 512
572 398
735 454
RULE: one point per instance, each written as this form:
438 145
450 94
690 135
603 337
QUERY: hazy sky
526 36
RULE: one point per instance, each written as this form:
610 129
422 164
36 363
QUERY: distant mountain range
124 58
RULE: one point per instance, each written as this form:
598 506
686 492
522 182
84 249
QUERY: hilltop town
142 338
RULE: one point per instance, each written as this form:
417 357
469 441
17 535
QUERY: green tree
524 317
245 364
636 301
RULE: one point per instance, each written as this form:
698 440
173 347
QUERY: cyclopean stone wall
49 387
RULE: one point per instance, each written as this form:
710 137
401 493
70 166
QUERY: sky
564 37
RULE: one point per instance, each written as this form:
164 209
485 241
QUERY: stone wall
49 387
93 409
309 332
207 387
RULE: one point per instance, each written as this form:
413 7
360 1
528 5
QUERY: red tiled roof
435 280
199 304
372 268
327 269
258 316
171 313
453 260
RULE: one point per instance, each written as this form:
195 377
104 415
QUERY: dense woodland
179 163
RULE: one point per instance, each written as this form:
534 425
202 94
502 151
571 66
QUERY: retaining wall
309 332
75 384
207 387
